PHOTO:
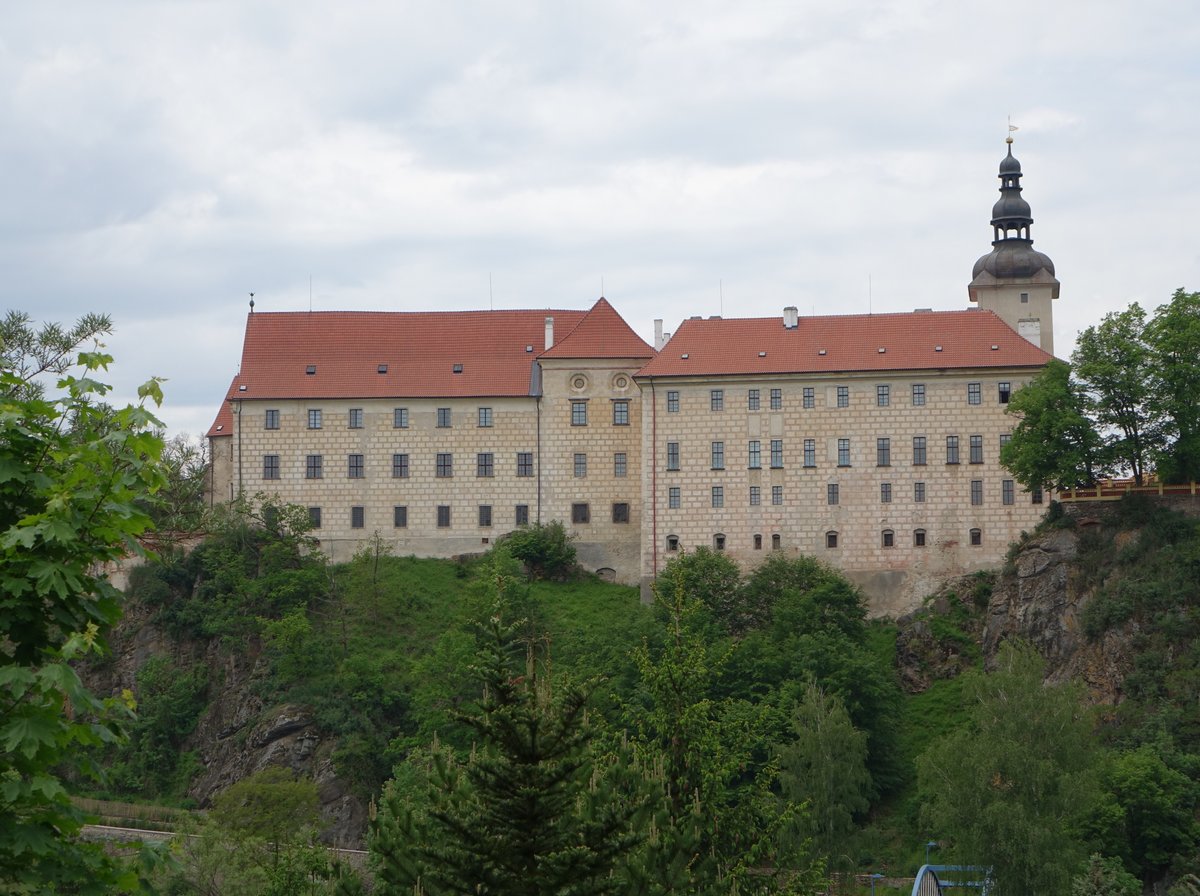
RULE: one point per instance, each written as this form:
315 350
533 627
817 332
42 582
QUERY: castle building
869 441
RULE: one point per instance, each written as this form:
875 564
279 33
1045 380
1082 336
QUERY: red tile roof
492 351
223 425
844 343
601 334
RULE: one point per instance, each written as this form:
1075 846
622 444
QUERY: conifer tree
529 812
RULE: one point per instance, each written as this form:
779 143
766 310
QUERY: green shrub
545 549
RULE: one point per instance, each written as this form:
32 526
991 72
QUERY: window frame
271 418
581 513
271 469
314 466
356 466
485 465
444 465
485 418
445 418
620 412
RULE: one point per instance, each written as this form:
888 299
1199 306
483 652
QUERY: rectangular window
718 455
314 517
976 537
918 394
754 454
974 395
919 492
314 466
885 493
976 449
919 452
951 449
400 418
777 495
524 463
357 517
843 396
810 452
1005 438
883 452
314 418
399 466
843 452
620 513
272 420
1005 392
672 455
270 466
776 399
619 464
976 492
1008 492
445 466
485 516
672 401
579 413
580 465
485 417
755 495
752 400
673 497
1035 496
718 496
809 400
521 515
883 395
831 493
354 466
443 418
400 516
580 513
443 516
621 413
776 454
356 418
485 465
716 400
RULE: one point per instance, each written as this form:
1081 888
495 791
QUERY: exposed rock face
1038 598
1041 603
237 735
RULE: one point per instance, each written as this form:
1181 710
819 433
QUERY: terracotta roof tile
601 334
223 425
844 343
396 354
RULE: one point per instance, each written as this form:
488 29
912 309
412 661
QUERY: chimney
791 317
549 332
658 334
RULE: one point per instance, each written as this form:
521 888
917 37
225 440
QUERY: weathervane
1011 127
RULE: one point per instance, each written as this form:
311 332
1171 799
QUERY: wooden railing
1115 491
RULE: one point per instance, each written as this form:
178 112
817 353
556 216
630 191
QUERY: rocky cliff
237 734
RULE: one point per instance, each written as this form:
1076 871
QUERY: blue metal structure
933 880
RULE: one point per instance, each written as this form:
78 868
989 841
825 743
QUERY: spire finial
251 303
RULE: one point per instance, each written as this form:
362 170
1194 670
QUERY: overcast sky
161 160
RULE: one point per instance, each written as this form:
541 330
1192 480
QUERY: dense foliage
1129 405
73 475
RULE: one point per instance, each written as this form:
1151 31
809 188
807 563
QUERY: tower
1015 280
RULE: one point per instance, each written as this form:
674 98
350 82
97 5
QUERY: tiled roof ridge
589 329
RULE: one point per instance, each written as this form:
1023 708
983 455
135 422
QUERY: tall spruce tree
528 813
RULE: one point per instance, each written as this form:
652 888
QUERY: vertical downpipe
654 476
539 459
237 417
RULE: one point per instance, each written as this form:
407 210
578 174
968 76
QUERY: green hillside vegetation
751 722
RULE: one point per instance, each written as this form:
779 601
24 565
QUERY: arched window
831 539
976 537
672 542
918 538
719 542
776 544
758 542
889 538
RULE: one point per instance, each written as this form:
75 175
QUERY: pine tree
530 812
